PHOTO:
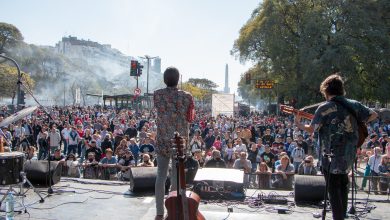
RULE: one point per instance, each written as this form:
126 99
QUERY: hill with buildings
82 65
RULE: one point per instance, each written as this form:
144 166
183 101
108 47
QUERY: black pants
338 194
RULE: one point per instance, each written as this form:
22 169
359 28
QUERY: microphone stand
352 209
329 158
50 189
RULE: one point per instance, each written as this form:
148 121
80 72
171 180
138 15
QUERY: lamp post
18 101
148 58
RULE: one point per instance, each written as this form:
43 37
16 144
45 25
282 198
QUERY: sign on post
137 91
264 84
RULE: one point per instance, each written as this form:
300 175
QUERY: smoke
94 70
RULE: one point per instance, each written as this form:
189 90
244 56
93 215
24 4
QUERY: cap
278 136
373 135
384 135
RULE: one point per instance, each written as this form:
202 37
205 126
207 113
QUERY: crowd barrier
271 181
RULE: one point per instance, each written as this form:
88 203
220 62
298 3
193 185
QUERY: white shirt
65 133
374 162
19 132
241 148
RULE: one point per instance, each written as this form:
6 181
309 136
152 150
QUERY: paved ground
97 199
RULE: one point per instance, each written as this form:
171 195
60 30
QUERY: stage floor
99 199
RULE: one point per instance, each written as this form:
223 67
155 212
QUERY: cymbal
18 116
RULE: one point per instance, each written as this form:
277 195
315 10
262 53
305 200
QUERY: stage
100 199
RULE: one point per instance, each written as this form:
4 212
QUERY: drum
11 164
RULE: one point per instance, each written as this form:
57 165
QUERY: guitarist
337 124
175 110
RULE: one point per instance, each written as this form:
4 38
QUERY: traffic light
133 68
139 69
247 78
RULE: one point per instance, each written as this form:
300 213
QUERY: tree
9 79
299 43
203 83
196 92
9 36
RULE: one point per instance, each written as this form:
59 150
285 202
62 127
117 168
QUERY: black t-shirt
97 151
215 163
53 158
304 145
252 155
127 162
268 139
131 132
371 144
267 158
146 148
384 143
106 144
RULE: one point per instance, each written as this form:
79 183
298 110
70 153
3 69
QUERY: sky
195 36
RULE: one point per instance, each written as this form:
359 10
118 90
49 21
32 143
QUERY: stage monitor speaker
212 183
144 178
37 172
309 189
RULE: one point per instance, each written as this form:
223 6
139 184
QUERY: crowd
95 142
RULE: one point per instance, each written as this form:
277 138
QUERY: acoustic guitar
180 204
362 128
291 110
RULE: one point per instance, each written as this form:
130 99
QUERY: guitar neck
290 110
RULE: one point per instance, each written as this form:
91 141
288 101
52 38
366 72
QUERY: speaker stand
25 180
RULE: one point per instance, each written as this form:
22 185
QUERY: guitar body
193 203
182 205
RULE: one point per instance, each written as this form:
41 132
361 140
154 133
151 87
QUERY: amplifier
219 183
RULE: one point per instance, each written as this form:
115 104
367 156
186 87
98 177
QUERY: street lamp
148 58
18 99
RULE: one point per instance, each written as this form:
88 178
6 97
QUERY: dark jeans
72 149
338 194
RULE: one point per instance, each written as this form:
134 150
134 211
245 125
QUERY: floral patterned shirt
175 109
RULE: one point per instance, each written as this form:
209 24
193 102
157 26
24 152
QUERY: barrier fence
272 181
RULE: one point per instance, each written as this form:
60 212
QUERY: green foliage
203 83
196 92
9 79
201 89
9 36
299 43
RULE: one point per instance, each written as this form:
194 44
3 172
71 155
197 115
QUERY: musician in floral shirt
175 110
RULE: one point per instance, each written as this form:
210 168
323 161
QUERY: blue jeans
65 147
162 172
83 151
296 165
72 149
42 153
